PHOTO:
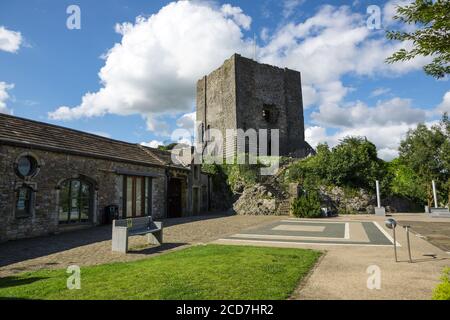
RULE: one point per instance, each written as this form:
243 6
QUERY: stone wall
55 168
235 95
216 100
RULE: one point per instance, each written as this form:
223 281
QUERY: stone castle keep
244 94
55 179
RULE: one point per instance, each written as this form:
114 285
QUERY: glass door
137 196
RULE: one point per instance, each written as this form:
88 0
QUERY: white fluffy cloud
10 41
379 92
187 121
393 111
4 96
153 70
445 105
333 43
289 7
387 138
153 144
385 124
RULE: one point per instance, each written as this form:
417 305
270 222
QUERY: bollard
409 244
391 224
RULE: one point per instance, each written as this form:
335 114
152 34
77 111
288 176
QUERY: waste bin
111 213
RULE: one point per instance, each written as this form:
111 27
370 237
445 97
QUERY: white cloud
445 105
387 138
316 135
153 144
153 70
390 10
238 16
187 121
4 96
332 43
264 35
385 124
10 41
393 111
379 92
289 7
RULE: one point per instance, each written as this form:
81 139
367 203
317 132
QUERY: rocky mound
260 199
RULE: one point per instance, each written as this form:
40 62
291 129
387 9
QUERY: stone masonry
55 168
244 94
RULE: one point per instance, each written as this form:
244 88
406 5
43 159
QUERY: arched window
76 198
24 198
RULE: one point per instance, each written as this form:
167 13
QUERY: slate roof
39 135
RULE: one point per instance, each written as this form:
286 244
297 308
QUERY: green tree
405 182
431 37
445 151
353 163
425 152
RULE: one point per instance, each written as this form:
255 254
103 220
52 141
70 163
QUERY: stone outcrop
336 198
260 199
270 199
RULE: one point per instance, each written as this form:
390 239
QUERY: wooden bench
122 229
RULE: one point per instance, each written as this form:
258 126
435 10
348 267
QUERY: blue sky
149 67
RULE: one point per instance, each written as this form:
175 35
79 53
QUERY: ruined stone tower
244 94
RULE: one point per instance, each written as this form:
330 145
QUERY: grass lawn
199 272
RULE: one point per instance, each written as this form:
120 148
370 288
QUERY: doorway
75 202
174 196
196 199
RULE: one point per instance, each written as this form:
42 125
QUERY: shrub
353 163
307 205
442 291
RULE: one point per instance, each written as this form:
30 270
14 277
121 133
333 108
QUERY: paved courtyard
93 246
353 245
318 232
437 233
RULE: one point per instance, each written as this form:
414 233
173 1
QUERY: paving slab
346 268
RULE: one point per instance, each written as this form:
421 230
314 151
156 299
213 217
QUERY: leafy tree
426 152
445 151
353 163
430 38
405 182
168 147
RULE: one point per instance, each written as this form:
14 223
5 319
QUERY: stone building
244 94
54 179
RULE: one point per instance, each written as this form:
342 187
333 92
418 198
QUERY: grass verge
199 273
